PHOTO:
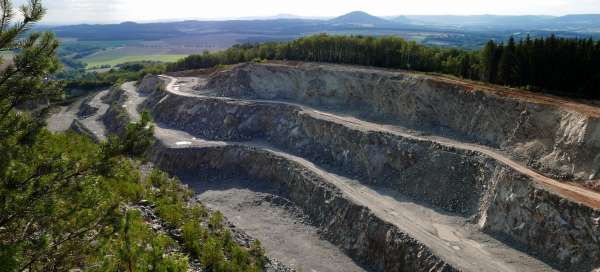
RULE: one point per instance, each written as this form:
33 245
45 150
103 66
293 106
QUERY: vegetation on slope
90 55
111 61
68 203
88 81
568 67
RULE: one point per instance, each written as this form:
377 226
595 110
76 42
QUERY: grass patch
97 61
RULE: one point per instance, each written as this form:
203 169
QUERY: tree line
566 67
569 67
82 80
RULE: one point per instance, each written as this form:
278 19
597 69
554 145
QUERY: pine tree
507 64
58 192
26 77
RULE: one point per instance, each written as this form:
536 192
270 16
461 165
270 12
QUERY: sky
111 11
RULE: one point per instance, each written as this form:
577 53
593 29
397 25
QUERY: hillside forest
559 66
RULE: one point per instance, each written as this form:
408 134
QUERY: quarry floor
281 229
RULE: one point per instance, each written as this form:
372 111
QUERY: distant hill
496 21
280 16
401 19
359 18
578 19
578 22
193 36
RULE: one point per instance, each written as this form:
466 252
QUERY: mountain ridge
366 19
359 18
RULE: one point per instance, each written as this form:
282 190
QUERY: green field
96 61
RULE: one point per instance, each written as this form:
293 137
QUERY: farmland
98 61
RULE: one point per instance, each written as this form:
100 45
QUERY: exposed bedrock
565 143
504 202
363 236
116 118
541 222
150 84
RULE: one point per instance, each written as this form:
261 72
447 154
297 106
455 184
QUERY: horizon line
287 16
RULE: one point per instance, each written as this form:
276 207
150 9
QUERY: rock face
150 84
565 143
544 223
86 111
504 202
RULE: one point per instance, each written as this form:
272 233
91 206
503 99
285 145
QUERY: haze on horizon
111 11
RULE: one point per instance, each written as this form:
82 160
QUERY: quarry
348 168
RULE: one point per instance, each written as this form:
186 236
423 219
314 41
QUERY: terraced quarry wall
557 140
393 199
502 201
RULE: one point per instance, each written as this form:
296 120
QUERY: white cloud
71 11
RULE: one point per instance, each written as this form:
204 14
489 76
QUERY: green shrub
216 221
258 252
212 256
193 235
135 247
196 211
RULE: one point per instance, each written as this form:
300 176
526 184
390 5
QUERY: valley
112 44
